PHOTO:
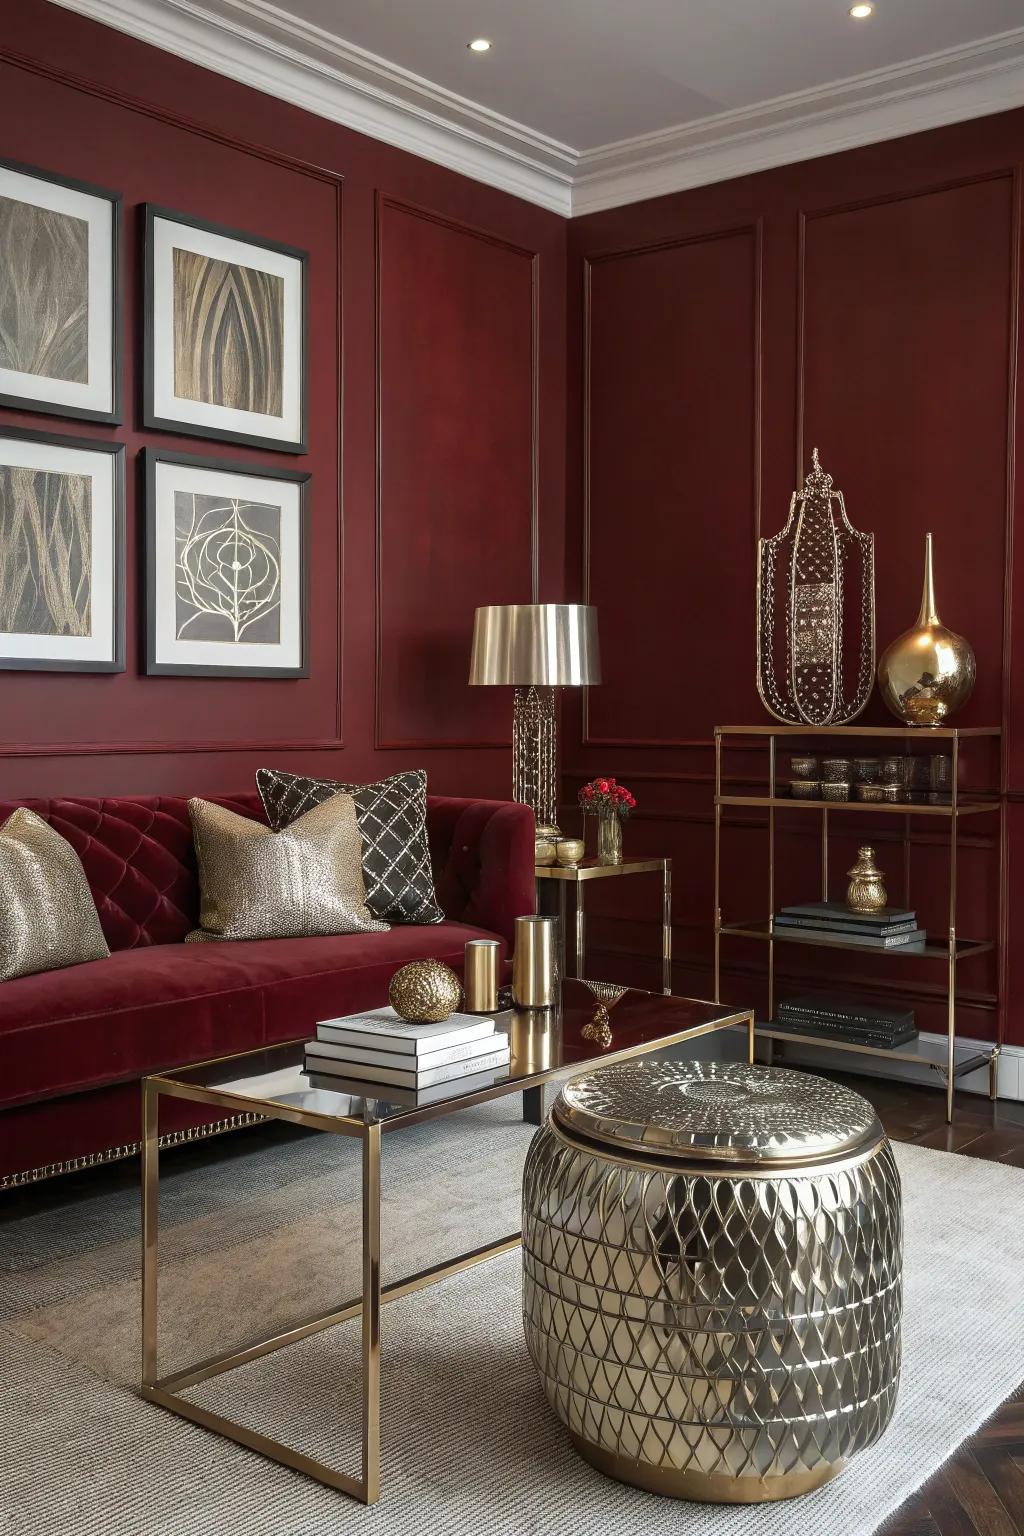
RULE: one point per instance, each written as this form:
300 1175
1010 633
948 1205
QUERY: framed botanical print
226 333
60 311
61 553
227 562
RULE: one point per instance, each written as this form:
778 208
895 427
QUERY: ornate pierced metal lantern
816 610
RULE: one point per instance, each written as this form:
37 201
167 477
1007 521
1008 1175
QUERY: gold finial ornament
815 593
425 992
866 891
929 672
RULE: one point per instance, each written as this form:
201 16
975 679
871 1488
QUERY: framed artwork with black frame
227 568
62 560
226 333
61 327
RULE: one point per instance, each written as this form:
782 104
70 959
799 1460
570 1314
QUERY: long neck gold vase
929 672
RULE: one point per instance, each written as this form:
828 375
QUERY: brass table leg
581 929
371 1314
150 1228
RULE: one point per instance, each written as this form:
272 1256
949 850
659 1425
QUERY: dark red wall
867 304
437 430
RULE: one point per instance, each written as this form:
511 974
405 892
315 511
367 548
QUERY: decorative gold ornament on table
927 673
425 992
815 584
866 891
599 1028
543 852
569 851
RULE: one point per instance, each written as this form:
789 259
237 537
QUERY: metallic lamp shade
550 645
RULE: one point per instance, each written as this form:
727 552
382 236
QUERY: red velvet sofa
74 1043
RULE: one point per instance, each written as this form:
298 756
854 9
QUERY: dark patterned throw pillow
392 817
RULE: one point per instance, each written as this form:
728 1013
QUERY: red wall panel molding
457 465
888 335
80 100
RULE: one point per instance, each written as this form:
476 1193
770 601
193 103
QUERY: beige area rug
266 1231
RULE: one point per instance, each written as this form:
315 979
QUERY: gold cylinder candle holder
480 976
534 965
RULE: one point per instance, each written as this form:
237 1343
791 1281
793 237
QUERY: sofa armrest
483 857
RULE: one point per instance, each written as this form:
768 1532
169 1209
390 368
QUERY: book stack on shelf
888 928
381 1055
852 1021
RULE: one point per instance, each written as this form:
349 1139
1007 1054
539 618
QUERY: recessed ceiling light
863 10
481 45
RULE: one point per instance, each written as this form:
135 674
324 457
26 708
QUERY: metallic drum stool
712 1287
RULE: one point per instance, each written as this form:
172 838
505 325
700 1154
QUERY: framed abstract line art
61 553
226 328
60 310
227 568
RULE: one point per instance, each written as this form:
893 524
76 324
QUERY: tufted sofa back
139 859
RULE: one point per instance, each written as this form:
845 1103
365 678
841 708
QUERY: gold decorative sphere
929 672
425 992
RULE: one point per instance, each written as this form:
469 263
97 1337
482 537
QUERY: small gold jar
569 851
866 891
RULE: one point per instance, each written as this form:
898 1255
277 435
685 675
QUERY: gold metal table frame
578 875
166 1390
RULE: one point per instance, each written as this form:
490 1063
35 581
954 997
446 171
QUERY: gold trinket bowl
569 851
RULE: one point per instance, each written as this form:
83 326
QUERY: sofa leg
533 1106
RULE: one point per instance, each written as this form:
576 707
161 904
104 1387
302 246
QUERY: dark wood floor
980 1490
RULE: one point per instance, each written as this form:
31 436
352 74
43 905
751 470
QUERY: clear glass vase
609 837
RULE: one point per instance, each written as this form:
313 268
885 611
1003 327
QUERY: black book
903 937
852 1012
838 911
846 1032
841 925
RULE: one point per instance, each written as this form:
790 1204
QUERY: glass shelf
964 807
933 948
979 1059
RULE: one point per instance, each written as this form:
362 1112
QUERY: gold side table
589 869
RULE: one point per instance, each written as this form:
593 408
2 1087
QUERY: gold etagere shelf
947 947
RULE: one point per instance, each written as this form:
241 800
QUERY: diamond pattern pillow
392 817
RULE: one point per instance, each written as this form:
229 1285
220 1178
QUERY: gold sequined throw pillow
48 917
303 881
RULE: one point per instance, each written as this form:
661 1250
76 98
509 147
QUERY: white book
384 1028
411 1098
360 1055
409 1079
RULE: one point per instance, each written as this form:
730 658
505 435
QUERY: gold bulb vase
929 672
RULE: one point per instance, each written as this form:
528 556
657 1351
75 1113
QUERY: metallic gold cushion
48 918
257 884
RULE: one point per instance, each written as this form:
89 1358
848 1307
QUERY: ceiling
582 104
589 72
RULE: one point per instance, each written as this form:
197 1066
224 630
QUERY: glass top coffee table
596 1023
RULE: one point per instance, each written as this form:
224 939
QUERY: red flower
611 783
631 802
587 792
601 785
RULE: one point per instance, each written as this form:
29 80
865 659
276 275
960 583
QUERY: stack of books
836 1019
889 928
382 1055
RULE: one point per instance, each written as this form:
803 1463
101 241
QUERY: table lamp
535 648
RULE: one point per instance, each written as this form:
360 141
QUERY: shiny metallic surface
866 891
926 674
480 975
569 851
718 1111
544 852
425 992
717 1333
48 916
257 884
553 645
535 962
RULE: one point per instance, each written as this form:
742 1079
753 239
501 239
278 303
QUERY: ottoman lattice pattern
712 1285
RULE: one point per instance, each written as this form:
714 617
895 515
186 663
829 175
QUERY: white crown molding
948 87
262 46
